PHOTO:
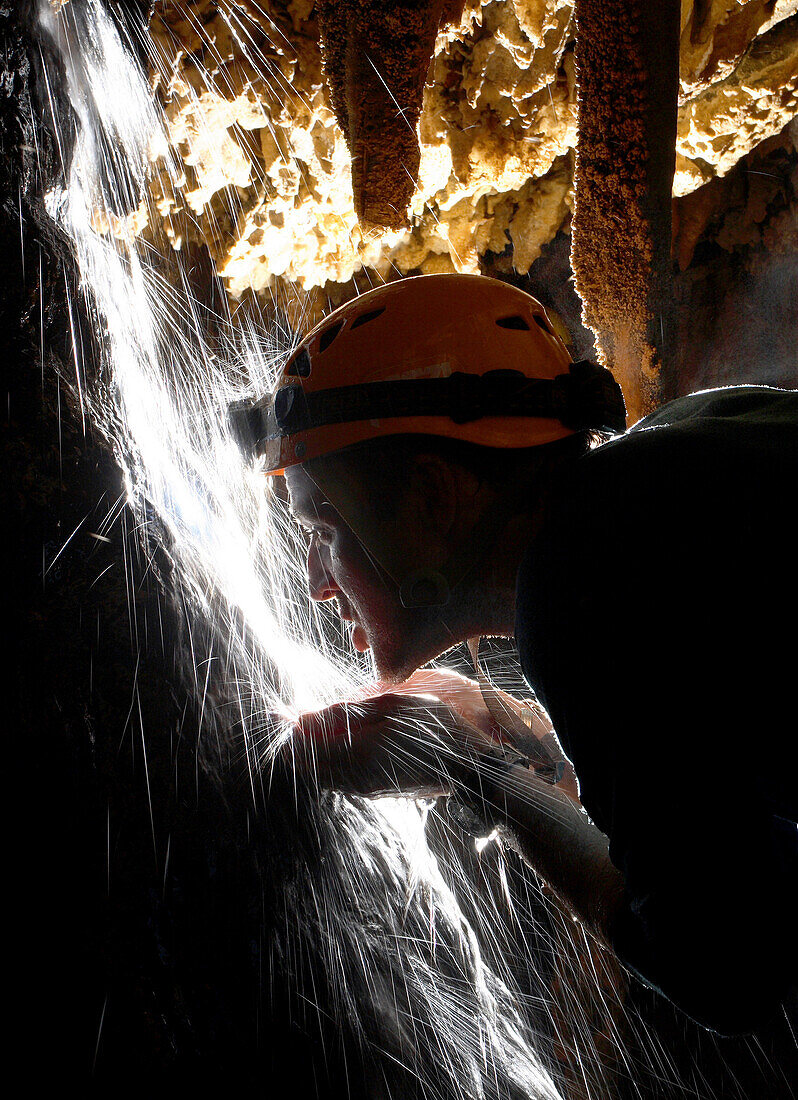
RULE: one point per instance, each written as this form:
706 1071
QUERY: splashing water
411 954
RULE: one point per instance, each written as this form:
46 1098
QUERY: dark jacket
657 619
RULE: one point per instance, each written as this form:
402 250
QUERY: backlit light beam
424 966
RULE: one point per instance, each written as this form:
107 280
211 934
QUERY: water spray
417 933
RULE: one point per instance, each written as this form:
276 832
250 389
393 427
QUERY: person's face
340 568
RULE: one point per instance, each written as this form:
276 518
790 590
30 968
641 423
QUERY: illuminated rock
628 79
716 35
729 119
376 56
258 168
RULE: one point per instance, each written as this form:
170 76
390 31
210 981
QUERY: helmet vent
329 335
301 365
541 322
515 322
364 318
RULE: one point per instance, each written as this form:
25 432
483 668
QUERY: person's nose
320 580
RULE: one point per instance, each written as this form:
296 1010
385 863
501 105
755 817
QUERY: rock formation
257 168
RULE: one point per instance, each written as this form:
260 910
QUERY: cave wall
736 283
735 276
142 910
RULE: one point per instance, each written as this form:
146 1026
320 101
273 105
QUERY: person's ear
435 490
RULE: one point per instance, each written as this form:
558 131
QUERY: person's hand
466 698
389 745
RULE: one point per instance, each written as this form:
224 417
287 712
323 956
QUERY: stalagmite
627 63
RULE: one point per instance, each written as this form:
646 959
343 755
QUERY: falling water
423 952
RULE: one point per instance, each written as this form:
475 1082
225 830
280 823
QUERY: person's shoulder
688 462
727 413
733 406
710 438
740 403
684 472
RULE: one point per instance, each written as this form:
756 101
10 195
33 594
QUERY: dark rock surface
141 905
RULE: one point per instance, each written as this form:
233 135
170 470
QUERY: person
459 477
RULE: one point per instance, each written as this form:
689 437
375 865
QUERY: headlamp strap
587 397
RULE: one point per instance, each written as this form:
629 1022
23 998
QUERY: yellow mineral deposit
728 119
265 173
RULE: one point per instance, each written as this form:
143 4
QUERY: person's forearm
557 839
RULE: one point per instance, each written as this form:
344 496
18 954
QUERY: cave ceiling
258 168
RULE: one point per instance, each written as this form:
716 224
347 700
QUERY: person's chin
398 649
392 666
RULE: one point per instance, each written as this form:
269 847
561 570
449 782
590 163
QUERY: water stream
427 982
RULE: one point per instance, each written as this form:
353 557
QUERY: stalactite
376 56
627 73
267 175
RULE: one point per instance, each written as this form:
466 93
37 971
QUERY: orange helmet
461 356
